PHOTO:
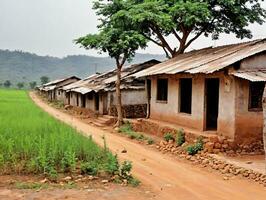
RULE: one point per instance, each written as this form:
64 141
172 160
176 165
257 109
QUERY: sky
48 27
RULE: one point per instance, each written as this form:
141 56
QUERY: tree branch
149 38
162 39
176 35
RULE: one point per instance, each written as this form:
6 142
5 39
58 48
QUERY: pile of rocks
213 143
204 159
221 144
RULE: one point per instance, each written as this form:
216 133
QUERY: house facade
97 92
217 90
52 90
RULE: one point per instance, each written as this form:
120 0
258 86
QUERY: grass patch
30 186
127 130
33 142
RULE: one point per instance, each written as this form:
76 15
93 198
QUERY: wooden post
148 98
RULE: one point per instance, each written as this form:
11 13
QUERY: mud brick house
218 90
53 91
97 92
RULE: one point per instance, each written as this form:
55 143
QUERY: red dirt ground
163 175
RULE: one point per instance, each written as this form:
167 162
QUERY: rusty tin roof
207 60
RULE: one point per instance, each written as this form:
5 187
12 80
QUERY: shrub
90 168
180 137
125 170
195 148
134 182
168 136
150 141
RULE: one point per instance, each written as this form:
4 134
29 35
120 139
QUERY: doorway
83 101
77 99
97 99
212 102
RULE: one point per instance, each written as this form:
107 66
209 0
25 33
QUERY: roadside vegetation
32 142
127 130
180 141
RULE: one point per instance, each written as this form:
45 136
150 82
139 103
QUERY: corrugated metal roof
48 88
106 81
60 80
207 60
254 76
82 90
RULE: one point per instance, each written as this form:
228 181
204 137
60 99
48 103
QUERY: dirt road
165 176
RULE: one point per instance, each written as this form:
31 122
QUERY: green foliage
90 168
127 129
150 141
31 141
125 170
7 84
134 182
180 137
168 136
195 148
30 186
184 20
20 85
44 80
32 84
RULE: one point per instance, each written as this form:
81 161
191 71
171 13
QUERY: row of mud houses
212 89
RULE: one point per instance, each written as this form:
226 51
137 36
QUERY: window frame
250 108
157 90
180 97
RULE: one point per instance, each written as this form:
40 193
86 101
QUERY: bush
180 137
195 148
168 136
150 141
90 168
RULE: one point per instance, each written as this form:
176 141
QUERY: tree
44 79
7 84
185 20
120 45
32 84
20 85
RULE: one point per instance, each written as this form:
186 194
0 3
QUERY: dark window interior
90 96
185 95
255 95
162 89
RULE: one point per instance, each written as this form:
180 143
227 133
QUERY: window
90 96
185 88
58 92
255 95
162 89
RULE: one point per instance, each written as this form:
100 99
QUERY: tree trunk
118 98
264 121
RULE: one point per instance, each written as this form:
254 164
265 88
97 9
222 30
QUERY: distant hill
18 66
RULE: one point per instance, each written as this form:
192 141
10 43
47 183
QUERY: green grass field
31 141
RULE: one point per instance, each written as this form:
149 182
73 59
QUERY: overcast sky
48 27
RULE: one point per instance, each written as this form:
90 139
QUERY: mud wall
249 124
169 111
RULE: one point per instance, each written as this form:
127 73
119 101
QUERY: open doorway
97 99
83 101
212 102
77 95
